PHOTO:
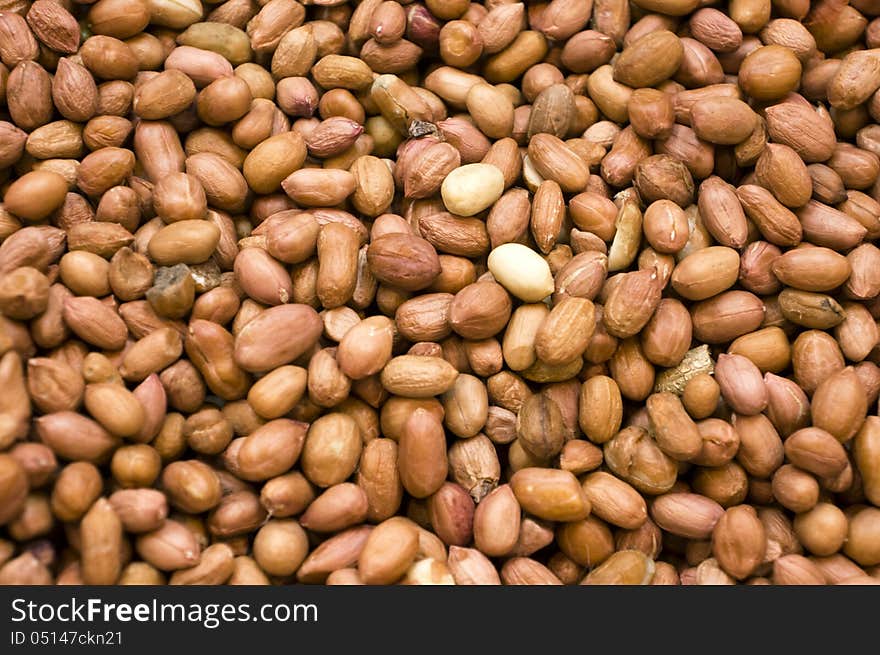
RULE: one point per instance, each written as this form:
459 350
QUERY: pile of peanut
441 292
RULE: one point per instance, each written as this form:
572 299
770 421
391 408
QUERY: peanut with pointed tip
422 460
388 551
550 494
101 536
